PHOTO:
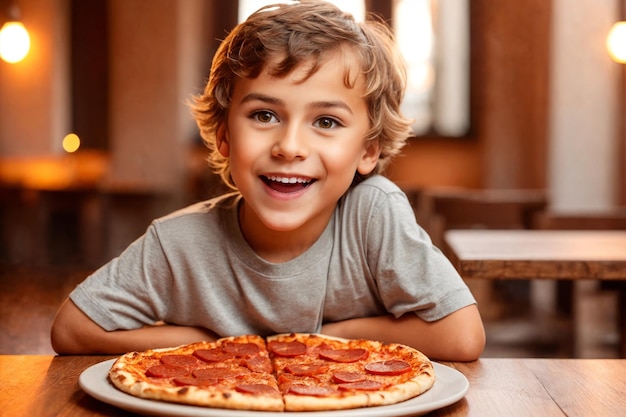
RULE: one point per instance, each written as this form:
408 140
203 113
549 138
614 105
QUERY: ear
370 156
222 141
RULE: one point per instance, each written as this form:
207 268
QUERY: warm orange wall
438 163
34 93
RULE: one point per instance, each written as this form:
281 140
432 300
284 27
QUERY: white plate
450 386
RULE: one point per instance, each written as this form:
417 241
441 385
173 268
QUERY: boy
300 114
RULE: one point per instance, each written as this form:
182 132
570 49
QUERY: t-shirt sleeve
129 291
412 275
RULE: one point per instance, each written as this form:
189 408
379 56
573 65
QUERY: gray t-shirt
193 267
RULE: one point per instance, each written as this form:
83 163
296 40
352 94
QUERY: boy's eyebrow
332 104
261 97
318 104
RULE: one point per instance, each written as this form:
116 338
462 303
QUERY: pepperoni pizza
287 372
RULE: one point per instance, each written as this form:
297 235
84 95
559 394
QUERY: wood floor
30 297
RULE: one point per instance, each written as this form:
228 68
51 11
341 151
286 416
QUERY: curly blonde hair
306 31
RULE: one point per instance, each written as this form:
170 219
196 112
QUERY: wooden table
537 254
542 254
33 386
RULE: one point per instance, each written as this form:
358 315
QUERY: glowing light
616 42
14 42
71 143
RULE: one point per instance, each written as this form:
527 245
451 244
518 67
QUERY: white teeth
289 180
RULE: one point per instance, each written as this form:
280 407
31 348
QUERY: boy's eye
264 117
326 123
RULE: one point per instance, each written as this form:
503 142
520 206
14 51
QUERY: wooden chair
593 220
442 209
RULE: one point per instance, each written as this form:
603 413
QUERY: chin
282 226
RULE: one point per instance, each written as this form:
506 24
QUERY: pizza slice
316 372
233 373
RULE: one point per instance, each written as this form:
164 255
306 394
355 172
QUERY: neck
275 245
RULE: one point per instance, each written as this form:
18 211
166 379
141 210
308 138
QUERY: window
433 36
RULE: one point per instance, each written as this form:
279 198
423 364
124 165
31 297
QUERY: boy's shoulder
376 184
373 193
202 209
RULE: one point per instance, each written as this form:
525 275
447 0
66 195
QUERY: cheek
342 159
239 159
243 157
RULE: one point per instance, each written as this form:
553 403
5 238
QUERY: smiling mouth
287 184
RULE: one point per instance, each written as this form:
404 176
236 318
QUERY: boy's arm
459 336
75 333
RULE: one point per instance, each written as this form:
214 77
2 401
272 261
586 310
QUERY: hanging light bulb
616 42
14 38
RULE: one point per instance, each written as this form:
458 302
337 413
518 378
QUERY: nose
291 144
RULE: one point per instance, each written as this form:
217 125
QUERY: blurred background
517 103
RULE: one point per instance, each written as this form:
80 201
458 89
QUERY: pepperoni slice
306 369
390 367
186 361
217 373
166 371
241 349
366 385
212 355
198 382
257 389
344 355
287 349
315 391
259 364
345 377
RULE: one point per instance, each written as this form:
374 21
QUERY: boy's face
294 145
